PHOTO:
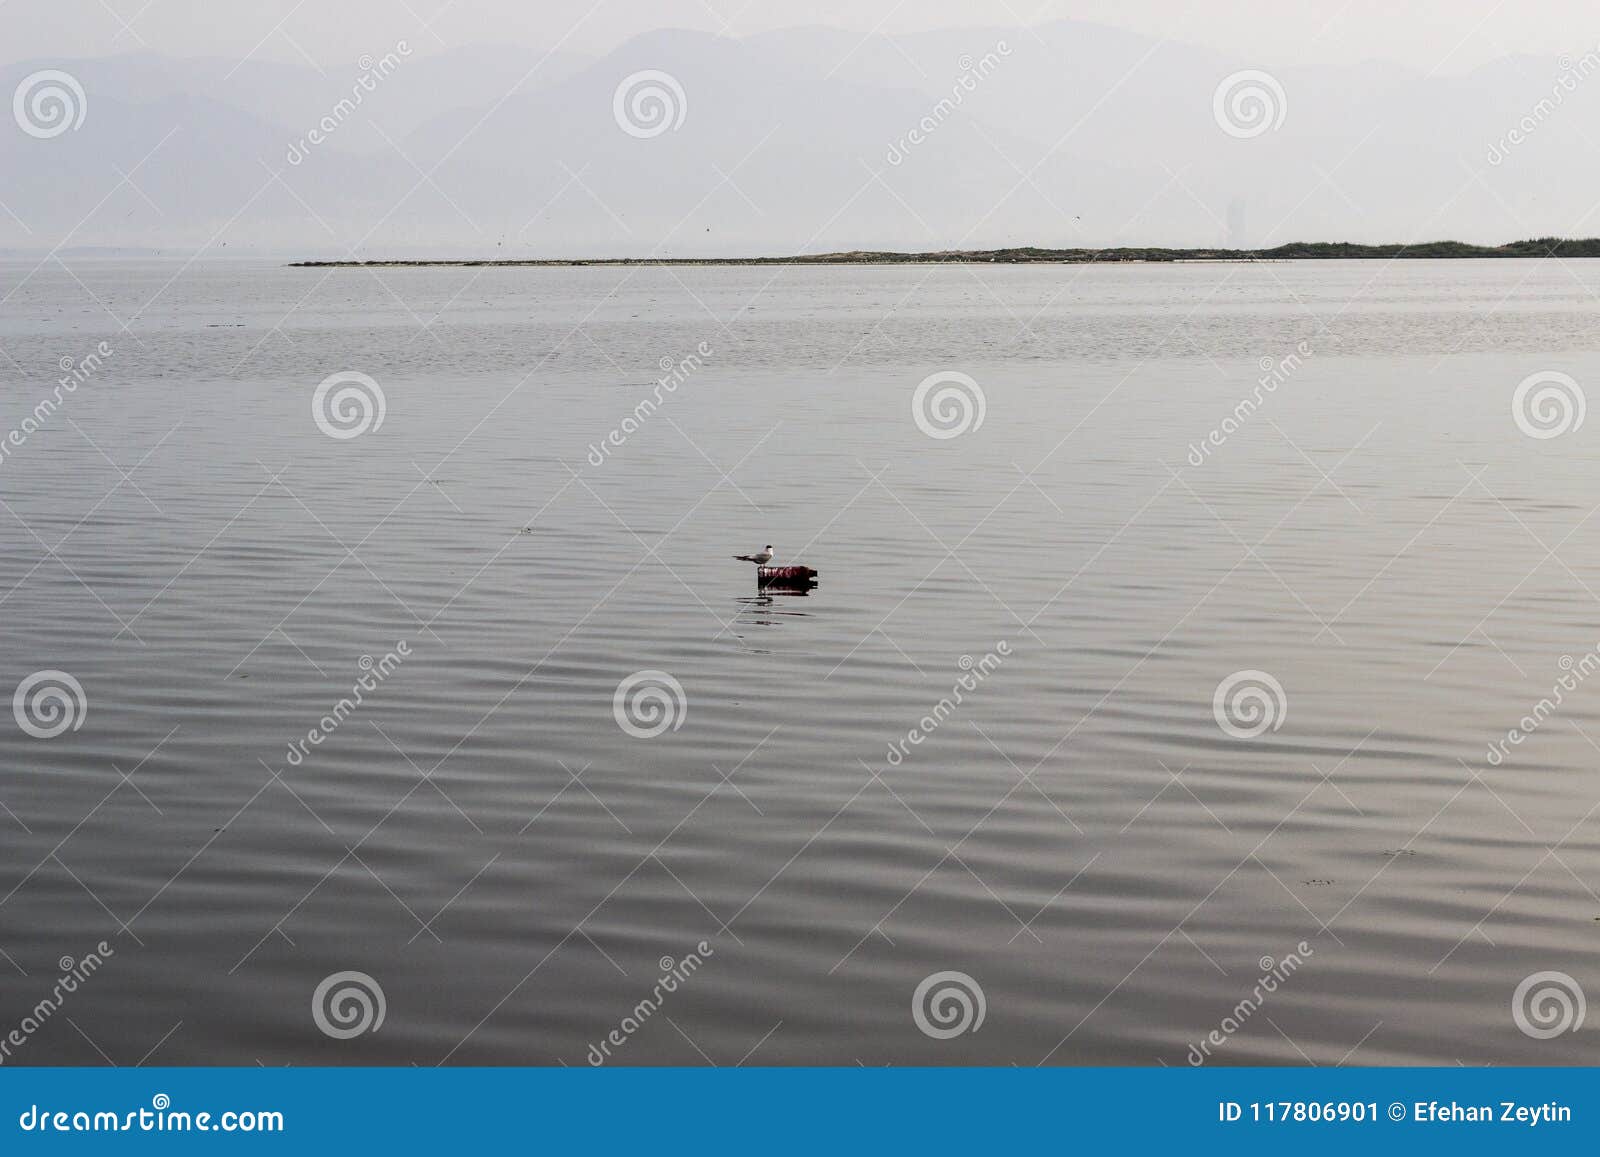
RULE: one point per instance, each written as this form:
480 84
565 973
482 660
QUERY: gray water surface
1078 835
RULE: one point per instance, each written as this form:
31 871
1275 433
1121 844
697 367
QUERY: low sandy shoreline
1545 247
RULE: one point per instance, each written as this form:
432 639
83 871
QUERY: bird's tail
745 557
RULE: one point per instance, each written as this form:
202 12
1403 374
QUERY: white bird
760 558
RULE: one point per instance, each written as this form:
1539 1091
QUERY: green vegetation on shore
1030 255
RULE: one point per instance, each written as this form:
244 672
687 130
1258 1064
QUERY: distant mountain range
1068 136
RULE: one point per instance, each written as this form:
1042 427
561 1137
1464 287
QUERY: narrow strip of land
1293 251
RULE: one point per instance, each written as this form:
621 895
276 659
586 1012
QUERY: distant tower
1237 237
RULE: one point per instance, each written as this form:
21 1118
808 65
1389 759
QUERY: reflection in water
765 610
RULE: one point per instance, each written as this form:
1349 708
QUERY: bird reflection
766 610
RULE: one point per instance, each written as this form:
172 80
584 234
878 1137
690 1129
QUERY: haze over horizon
1443 36
498 132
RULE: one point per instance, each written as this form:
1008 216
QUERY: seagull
760 558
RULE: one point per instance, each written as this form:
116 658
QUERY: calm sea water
1374 544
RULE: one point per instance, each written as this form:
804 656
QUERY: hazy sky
1441 35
